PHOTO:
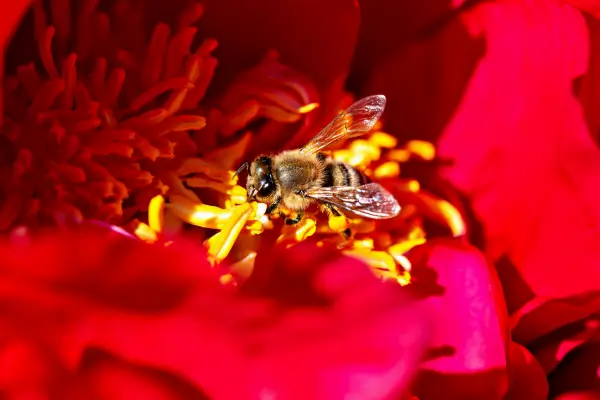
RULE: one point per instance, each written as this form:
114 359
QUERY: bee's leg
273 206
290 221
347 233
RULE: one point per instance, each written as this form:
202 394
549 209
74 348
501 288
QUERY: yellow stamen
382 139
400 155
446 213
219 245
307 108
425 150
145 233
453 217
156 213
390 169
401 248
376 259
212 217
371 151
299 232
363 244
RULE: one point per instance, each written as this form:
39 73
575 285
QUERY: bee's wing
368 201
356 120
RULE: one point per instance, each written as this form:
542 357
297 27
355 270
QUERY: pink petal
521 148
471 338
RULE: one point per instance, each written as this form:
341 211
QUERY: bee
299 178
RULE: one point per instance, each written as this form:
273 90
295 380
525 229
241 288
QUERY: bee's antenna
245 165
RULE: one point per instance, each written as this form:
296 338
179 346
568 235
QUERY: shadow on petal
580 371
313 37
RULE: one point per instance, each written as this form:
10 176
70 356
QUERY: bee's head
260 184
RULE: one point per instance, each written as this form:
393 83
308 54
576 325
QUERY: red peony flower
134 266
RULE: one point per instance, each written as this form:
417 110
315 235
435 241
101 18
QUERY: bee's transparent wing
368 201
356 120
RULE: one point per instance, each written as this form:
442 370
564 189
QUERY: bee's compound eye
267 186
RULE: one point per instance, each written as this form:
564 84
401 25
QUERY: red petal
528 380
471 337
107 267
315 37
105 377
589 84
541 316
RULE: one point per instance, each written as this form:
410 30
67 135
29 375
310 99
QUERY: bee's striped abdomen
341 174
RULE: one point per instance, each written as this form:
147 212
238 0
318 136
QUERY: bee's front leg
272 207
290 221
